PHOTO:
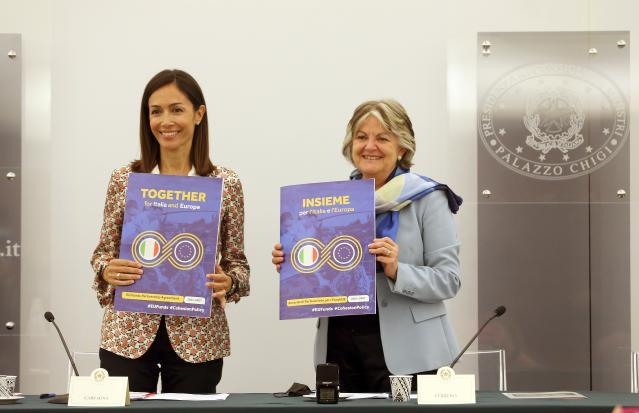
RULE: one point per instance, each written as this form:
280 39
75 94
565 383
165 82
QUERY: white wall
281 78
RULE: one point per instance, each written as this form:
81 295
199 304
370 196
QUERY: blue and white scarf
404 188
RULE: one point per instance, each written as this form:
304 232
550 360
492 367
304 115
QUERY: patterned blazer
193 339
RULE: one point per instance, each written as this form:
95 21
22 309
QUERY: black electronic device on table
327 383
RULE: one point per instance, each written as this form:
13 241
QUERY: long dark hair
149 147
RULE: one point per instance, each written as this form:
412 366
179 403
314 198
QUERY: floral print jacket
194 339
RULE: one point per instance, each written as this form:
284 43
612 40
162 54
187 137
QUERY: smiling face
173 118
375 150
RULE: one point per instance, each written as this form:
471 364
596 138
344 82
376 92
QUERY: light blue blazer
415 330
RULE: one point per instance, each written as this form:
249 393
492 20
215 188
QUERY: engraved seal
553 121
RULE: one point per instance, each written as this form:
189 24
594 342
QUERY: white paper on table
137 395
545 395
177 396
354 396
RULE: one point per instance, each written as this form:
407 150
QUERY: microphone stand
62 398
499 311
75 369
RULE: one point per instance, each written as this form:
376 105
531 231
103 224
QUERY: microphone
50 318
499 311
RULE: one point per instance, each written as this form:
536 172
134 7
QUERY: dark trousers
355 345
178 376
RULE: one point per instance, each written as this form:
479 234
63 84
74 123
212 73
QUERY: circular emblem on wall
553 121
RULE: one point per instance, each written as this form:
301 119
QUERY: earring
399 158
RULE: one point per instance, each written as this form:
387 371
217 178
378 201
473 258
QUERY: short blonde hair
393 117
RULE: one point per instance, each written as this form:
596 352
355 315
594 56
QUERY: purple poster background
324 231
170 227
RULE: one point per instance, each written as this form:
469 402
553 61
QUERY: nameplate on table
446 387
99 389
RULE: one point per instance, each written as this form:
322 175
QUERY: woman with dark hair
416 249
189 350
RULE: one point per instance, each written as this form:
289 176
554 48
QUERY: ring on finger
388 252
118 276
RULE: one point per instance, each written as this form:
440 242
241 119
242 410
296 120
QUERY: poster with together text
171 227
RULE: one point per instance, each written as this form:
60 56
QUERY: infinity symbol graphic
184 251
342 253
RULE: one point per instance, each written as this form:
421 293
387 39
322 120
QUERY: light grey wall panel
553 235
10 178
